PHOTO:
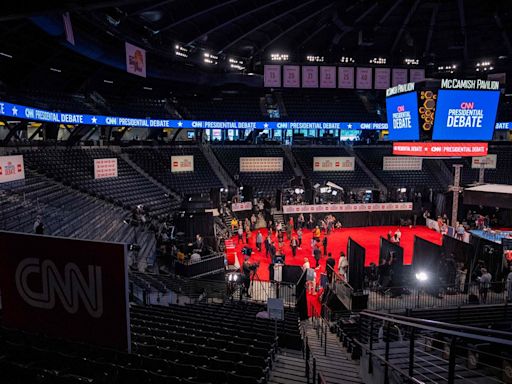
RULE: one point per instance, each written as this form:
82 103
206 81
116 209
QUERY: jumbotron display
465 114
402 113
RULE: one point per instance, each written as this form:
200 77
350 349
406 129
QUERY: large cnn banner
364 78
487 162
402 163
272 76
382 78
325 164
291 76
310 76
104 168
135 60
261 164
375 207
11 168
65 288
346 77
440 149
327 77
399 76
182 164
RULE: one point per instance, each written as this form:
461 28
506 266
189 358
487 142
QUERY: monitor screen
191 135
402 113
465 115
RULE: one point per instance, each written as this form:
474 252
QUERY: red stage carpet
368 237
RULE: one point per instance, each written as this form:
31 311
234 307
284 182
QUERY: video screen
402 113
465 115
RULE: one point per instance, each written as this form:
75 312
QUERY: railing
206 266
261 291
424 351
436 296
321 325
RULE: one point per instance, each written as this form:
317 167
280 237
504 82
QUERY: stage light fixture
421 276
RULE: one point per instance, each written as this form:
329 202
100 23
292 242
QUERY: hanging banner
487 162
272 76
104 168
261 164
382 78
182 164
325 164
327 77
346 77
291 76
399 76
364 78
65 288
324 208
245 206
11 168
310 76
135 60
440 149
402 163
416 75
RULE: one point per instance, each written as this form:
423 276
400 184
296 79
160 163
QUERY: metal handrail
433 326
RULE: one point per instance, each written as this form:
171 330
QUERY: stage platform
494 235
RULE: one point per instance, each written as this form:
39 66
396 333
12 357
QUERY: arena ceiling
435 32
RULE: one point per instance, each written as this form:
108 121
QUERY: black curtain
356 256
463 252
425 255
387 251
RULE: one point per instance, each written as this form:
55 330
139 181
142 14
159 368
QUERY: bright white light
317 59
108 81
6 55
421 276
55 70
148 88
279 57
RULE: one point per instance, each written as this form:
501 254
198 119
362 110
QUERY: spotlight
421 276
232 277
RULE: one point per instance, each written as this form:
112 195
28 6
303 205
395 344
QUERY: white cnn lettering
69 287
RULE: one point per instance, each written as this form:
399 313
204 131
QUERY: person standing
268 242
324 243
509 286
289 231
485 284
240 234
259 240
273 251
460 232
38 225
317 254
299 237
253 222
300 221
247 235
316 233
294 244
329 267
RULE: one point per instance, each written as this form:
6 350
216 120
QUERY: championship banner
402 163
440 149
399 76
182 164
327 77
382 78
321 208
272 76
310 76
11 168
291 76
245 206
487 162
325 164
416 75
261 164
364 78
104 168
346 77
65 288
135 60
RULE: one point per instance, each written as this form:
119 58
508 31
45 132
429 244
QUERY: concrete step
289 368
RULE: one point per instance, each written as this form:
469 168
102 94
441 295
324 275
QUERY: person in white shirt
195 257
398 235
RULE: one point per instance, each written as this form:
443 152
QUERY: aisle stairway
289 368
336 367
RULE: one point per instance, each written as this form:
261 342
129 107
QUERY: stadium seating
179 344
373 158
157 163
264 182
224 107
75 167
348 180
